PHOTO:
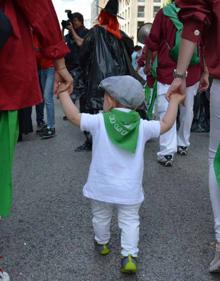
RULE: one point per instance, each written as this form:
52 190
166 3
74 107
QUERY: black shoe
87 146
48 133
166 160
182 150
40 127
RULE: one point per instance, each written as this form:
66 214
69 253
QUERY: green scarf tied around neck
123 128
217 165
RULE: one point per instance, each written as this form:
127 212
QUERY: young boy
116 171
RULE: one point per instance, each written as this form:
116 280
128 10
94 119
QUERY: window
140 12
156 9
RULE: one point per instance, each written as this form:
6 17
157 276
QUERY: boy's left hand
179 98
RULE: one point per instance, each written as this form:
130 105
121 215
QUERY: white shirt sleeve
90 122
151 129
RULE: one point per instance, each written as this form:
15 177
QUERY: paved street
49 236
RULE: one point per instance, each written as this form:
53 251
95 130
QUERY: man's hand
178 86
70 26
204 82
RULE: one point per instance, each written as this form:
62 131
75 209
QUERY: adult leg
213 186
40 109
186 118
48 97
168 141
47 81
8 138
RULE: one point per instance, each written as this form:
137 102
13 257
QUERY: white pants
171 139
213 145
128 221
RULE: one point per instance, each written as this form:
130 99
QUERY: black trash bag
201 120
103 55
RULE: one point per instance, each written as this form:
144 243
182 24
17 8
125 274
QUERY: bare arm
170 117
76 37
63 80
69 108
186 51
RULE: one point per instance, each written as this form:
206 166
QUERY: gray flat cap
125 89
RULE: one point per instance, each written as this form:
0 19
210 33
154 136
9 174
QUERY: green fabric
123 128
150 96
171 11
8 140
217 165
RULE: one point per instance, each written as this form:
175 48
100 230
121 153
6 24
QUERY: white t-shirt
115 175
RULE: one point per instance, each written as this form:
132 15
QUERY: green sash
217 165
171 11
123 128
8 140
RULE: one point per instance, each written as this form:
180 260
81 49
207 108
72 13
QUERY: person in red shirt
201 19
19 78
18 72
161 40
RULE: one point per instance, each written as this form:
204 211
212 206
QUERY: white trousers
171 139
213 145
128 221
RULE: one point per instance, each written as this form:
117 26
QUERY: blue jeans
47 80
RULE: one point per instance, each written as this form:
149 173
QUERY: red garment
42 61
19 85
203 16
162 36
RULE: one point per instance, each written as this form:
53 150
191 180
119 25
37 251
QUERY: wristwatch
179 75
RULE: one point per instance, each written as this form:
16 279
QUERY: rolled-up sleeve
195 15
42 17
154 39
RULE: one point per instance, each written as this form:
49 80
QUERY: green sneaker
128 264
102 249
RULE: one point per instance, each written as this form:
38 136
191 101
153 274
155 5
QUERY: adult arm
79 40
170 116
153 41
42 17
194 14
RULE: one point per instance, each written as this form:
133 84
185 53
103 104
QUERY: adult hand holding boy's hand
179 98
178 86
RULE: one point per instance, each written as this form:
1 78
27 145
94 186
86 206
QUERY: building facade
134 13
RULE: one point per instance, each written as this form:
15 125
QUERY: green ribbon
8 139
123 128
217 165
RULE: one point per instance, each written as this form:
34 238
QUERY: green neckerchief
217 165
123 128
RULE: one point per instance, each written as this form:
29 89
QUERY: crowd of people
107 87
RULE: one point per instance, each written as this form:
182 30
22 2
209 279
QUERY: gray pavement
49 236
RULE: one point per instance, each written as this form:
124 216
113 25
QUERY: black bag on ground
5 29
201 120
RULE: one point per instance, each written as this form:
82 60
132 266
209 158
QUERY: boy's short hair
124 89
